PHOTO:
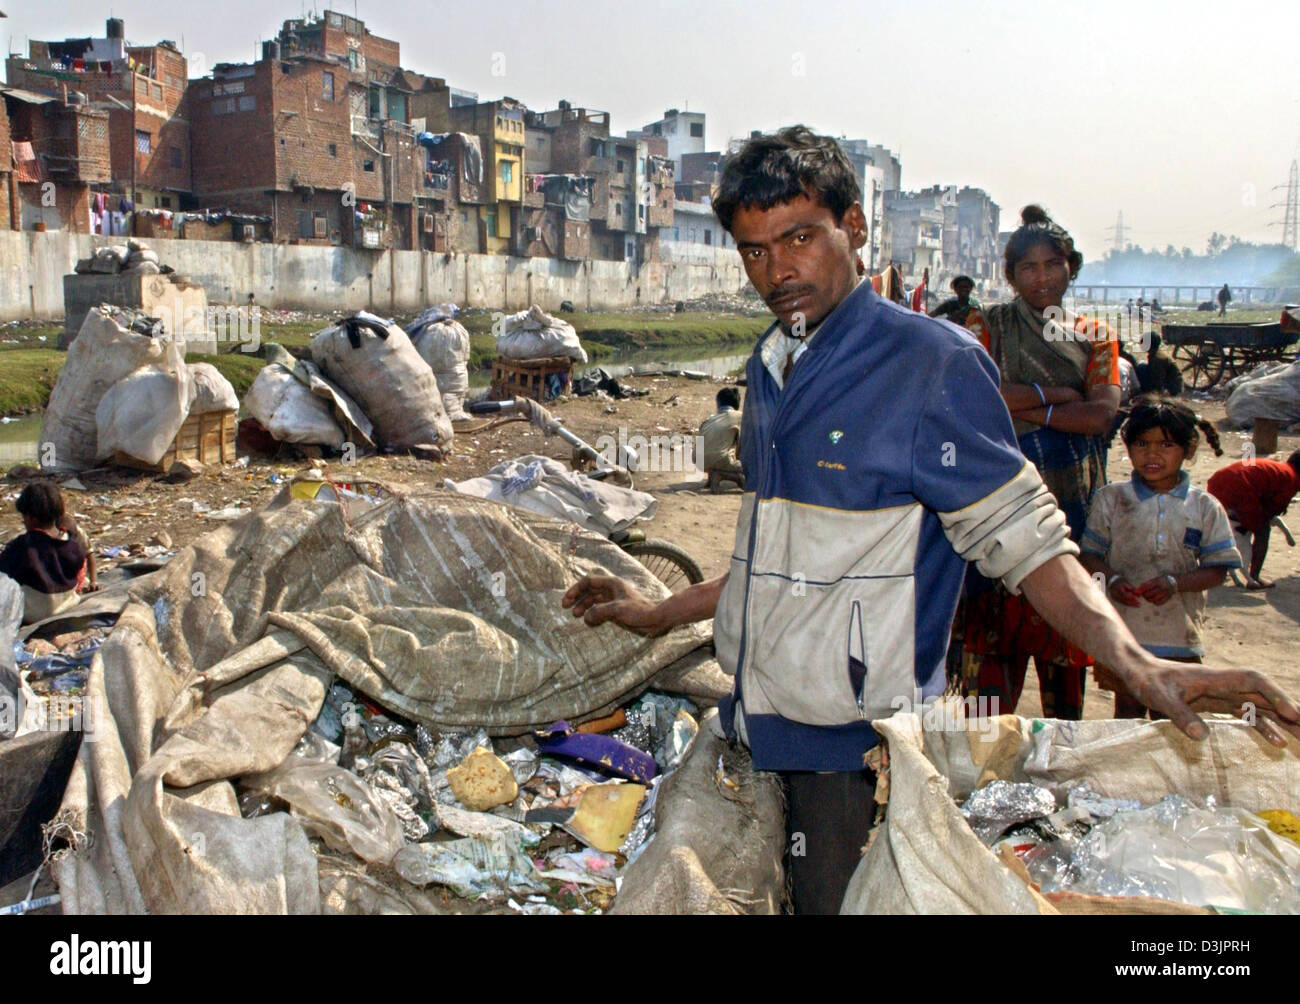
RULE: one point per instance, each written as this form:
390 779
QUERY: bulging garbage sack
110 344
141 413
535 334
212 391
289 411
443 343
374 361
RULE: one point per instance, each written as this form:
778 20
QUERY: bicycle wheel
667 562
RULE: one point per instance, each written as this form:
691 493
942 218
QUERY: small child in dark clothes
51 561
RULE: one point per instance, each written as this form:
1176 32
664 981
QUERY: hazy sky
1184 115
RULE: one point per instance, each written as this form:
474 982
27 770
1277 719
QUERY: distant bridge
1168 293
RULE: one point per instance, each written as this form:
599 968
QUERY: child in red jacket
1255 492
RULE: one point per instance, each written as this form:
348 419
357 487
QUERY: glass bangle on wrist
1041 396
1173 583
1047 422
1110 583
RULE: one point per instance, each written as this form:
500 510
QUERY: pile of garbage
1177 850
383 707
535 334
125 388
365 385
134 257
544 823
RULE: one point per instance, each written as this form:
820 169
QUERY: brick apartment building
58 152
631 188
141 89
499 126
8 185
332 140
313 135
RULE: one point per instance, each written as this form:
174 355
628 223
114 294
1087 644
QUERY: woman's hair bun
1032 214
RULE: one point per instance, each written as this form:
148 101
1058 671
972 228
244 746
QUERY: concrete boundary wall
302 277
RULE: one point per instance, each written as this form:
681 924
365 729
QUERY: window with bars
143 142
327 85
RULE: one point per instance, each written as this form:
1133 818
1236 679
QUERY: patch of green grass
29 337
1246 316
26 378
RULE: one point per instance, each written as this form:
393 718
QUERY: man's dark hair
775 169
42 502
1036 228
729 397
1173 418
959 280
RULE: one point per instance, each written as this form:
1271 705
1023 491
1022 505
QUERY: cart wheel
667 562
1204 370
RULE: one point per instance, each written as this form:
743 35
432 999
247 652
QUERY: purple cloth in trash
603 753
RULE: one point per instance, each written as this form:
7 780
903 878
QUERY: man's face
963 291
799 259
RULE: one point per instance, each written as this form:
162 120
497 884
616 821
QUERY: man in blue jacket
879 458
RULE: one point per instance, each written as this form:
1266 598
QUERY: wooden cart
1207 352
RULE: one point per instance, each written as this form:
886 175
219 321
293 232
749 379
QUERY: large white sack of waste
443 343
535 334
1274 394
289 411
105 350
212 391
374 361
925 857
141 413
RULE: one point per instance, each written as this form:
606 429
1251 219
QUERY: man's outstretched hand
600 598
1180 690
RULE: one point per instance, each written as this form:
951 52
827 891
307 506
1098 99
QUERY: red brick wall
306 123
234 154
6 213
71 202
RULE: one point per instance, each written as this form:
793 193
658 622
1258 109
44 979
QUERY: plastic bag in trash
335 805
493 865
672 751
1200 856
400 779
465 823
329 723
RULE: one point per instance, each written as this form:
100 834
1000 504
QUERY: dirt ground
120 508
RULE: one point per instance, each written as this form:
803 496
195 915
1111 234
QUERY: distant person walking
1225 297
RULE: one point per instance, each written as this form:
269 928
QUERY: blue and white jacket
886 463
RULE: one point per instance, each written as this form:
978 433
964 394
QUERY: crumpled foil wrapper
1098 807
453 747
1002 804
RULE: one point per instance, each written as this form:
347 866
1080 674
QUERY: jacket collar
1179 490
